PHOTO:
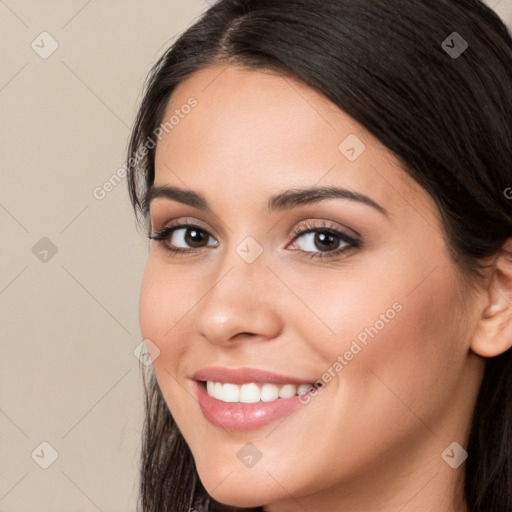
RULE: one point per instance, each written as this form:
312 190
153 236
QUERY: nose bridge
238 299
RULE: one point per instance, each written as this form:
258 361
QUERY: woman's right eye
184 238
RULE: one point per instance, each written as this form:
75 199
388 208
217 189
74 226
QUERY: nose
237 304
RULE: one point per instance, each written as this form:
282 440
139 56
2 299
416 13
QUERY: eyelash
165 233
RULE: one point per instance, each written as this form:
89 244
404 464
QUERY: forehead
259 132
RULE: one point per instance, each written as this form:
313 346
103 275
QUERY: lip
246 375
242 416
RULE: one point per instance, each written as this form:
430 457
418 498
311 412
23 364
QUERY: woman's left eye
322 242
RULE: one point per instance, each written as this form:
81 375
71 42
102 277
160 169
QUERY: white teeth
287 391
249 393
269 392
303 388
230 393
252 393
217 390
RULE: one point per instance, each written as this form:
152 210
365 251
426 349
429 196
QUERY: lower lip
240 416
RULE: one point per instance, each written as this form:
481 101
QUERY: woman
328 293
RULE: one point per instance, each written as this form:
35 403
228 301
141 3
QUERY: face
261 288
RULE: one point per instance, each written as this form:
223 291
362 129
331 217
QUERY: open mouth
250 405
248 398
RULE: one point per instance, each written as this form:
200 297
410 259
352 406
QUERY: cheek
163 306
407 347
389 333
152 316
164 301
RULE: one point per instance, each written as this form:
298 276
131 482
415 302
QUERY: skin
372 439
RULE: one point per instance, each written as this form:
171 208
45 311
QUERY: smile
245 399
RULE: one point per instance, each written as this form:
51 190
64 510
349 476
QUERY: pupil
324 239
194 237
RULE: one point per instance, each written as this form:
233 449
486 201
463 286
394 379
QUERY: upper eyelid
184 223
312 225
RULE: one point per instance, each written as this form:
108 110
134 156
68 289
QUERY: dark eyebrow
297 197
177 194
281 201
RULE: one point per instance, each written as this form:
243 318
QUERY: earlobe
493 335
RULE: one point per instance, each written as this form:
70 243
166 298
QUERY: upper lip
245 375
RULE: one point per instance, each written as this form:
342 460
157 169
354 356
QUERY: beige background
68 374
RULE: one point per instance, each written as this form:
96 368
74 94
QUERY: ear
493 335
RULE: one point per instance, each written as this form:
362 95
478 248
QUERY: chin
240 490
241 497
